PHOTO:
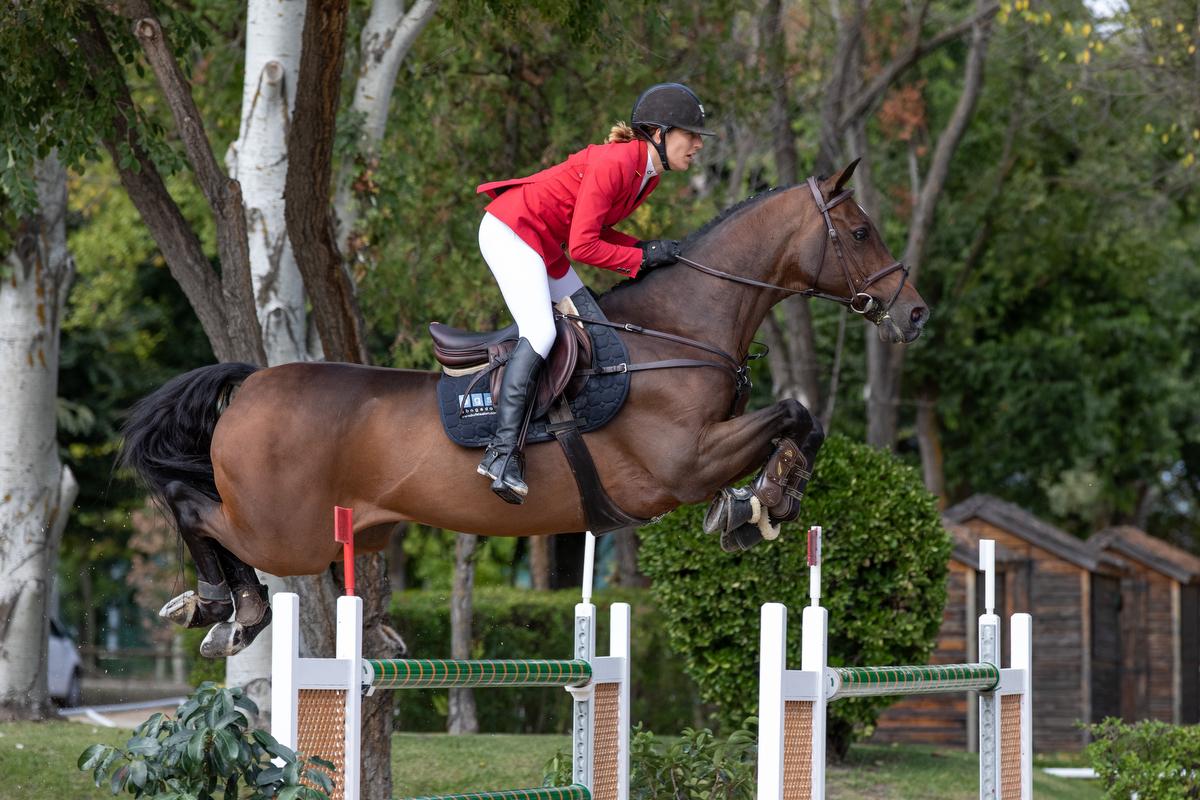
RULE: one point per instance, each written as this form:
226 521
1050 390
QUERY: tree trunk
929 438
310 156
38 489
541 561
462 717
258 161
380 641
385 41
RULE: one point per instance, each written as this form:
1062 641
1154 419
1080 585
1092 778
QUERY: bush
206 752
883 577
1151 759
518 623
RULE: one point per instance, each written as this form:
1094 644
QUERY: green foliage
429 559
696 765
1149 759
883 582
1059 272
516 623
205 752
537 95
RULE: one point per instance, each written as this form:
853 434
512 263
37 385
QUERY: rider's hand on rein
658 253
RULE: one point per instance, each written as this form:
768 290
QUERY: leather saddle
465 352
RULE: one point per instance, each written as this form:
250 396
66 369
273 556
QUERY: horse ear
843 177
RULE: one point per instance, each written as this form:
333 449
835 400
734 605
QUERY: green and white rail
792 703
316 702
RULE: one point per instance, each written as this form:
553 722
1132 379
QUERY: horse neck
713 310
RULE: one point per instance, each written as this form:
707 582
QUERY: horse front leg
784 440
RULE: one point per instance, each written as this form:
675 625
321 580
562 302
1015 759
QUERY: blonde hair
620 133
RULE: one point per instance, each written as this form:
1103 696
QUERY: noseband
859 300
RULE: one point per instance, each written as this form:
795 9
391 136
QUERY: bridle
859 300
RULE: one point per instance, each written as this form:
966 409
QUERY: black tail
169 433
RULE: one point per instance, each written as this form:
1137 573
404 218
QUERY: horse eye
860 234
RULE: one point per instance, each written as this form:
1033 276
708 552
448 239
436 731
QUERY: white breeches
521 273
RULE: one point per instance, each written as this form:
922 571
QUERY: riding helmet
669 105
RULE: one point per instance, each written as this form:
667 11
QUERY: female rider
572 207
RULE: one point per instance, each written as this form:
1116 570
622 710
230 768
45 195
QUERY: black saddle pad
600 400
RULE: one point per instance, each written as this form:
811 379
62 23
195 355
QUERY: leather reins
869 307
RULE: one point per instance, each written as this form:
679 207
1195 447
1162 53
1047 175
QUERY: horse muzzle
898 327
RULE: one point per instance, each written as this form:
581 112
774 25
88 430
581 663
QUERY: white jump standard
316 702
792 703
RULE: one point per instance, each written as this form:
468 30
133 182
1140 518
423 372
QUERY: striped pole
343 531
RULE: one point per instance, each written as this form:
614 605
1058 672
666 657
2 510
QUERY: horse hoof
181 609
224 639
729 511
192 611
741 538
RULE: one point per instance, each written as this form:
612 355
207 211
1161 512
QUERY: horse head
853 265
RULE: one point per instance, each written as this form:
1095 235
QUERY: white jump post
793 703
316 702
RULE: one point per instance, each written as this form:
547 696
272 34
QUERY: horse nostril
919 315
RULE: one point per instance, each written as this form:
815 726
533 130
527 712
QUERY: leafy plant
697 766
1149 759
207 751
883 574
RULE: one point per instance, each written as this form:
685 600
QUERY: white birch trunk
36 490
258 160
386 40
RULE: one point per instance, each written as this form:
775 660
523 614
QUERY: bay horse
250 476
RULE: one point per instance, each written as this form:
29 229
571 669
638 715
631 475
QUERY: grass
437 763
38 759
887 772
37 762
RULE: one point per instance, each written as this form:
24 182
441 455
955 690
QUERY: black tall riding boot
504 462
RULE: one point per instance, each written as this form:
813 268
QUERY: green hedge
515 623
1146 759
884 584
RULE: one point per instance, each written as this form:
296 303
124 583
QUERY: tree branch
947 144
179 244
310 159
224 194
916 50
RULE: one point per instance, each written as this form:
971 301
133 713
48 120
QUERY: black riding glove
658 253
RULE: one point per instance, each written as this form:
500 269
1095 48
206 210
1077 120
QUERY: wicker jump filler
316 702
792 703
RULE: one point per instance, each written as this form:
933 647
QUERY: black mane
729 212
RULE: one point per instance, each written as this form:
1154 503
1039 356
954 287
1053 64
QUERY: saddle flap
557 373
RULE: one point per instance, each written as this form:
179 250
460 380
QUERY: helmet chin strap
661 147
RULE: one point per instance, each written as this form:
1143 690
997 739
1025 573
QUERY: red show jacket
572 206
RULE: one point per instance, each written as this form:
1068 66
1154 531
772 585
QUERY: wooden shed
1071 590
1159 631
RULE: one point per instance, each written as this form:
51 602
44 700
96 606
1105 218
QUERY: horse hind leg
252 614
212 601
229 597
